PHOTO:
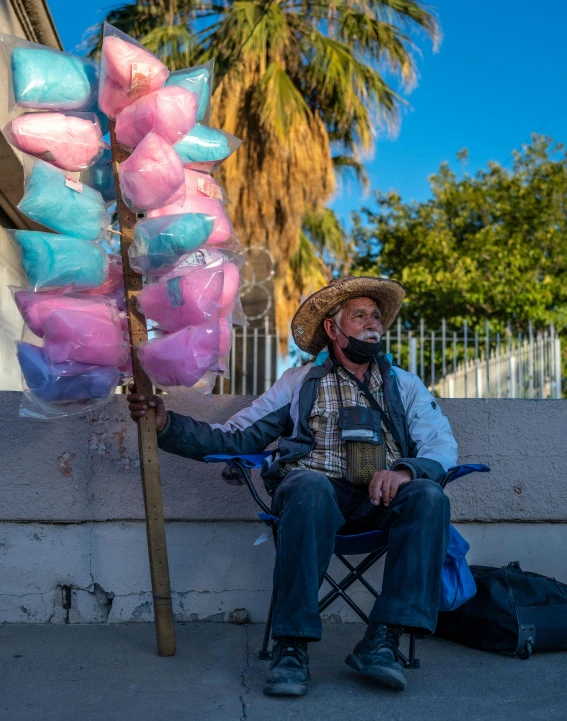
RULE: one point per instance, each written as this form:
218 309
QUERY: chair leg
410 661
265 654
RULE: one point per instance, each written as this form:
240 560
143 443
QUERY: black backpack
514 612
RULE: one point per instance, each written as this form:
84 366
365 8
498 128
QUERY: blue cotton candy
100 177
55 261
48 79
51 203
161 241
196 80
203 145
64 382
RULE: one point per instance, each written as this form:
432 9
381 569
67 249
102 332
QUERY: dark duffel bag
514 612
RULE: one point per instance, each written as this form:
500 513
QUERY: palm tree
304 84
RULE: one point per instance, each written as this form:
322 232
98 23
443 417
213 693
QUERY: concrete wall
71 512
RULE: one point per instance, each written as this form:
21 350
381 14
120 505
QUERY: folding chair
373 543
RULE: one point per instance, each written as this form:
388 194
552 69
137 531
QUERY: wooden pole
147 436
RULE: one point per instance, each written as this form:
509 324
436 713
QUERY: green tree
305 85
489 246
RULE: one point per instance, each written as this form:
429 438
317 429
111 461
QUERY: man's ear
330 328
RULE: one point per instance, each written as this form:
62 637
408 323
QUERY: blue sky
500 74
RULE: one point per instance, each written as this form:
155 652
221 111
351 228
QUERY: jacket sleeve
430 430
248 431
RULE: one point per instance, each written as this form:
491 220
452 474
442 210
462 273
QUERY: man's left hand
384 485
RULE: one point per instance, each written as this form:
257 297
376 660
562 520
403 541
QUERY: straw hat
307 324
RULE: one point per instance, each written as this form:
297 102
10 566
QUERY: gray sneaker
376 656
289 670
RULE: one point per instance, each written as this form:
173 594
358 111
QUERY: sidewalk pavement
113 673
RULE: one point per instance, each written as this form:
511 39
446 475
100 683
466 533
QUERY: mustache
369 335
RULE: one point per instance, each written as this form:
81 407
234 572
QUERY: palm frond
345 164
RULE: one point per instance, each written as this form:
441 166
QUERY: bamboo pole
147 436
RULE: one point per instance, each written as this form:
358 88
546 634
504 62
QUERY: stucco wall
71 512
86 467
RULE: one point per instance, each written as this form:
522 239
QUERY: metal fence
251 363
453 363
467 364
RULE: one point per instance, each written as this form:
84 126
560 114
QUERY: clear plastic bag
203 185
198 80
52 261
187 296
222 231
42 78
229 305
127 72
73 335
100 176
113 287
56 390
59 202
205 148
184 358
159 243
70 141
36 307
152 176
170 112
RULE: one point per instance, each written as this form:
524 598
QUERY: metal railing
251 362
453 363
467 364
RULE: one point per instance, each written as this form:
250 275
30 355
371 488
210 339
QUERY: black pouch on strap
514 612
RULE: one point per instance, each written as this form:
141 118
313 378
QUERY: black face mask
360 351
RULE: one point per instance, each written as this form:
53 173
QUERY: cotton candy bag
181 358
57 261
35 308
63 383
160 242
127 72
222 231
170 112
152 176
198 80
46 79
51 199
71 142
205 148
189 298
71 335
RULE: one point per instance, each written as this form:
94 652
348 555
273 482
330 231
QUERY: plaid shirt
328 455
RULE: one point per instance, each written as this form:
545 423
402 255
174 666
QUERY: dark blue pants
312 508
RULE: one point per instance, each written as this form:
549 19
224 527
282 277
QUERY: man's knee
303 485
429 495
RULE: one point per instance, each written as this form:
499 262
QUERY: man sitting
362 446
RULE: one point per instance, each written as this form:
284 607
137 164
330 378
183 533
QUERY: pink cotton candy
189 298
36 308
170 112
120 83
76 336
182 358
222 229
69 142
225 336
153 176
201 184
230 289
